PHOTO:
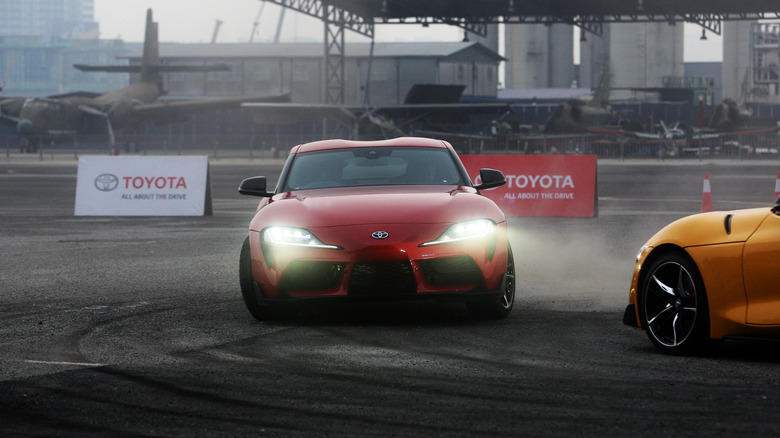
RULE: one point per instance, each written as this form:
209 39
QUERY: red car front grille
451 271
385 278
311 276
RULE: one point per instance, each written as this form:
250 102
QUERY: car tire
673 306
258 311
501 307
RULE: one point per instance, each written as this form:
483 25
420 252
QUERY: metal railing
740 147
753 146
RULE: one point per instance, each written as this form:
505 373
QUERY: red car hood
376 205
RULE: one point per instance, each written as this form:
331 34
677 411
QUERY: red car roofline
395 142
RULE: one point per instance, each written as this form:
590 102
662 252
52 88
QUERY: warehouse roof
314 50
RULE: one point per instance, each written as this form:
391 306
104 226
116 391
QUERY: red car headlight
473 229
293 237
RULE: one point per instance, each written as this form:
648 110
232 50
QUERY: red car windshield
373 166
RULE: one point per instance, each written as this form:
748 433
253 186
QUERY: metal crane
217 25
256 24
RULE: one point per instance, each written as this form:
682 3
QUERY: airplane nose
25 127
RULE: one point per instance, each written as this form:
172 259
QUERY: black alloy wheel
259 312
501 307
673 306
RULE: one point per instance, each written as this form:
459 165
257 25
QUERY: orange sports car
707 277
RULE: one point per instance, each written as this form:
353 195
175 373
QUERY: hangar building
297 68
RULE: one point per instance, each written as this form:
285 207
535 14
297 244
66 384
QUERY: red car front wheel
501 307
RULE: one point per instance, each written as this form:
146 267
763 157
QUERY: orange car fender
715 242
721 268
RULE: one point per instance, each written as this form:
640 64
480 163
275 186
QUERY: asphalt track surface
136 327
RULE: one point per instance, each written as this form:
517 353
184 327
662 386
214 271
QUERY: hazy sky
194 21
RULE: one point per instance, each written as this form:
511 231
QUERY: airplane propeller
375 119
10 106
107 115
385 124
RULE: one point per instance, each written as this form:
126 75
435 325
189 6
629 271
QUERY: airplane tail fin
601 96
150 67
743 91
700 114
151 55
742 106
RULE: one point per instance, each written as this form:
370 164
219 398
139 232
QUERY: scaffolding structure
590 15
765 59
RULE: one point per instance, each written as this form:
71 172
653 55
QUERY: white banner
143 186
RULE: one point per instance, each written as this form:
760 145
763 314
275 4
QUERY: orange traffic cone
777 186
706 196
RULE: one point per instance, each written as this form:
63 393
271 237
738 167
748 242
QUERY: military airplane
576 115
89 113
732 117
426 108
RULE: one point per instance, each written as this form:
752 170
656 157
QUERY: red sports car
392 219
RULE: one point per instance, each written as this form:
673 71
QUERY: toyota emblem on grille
379 235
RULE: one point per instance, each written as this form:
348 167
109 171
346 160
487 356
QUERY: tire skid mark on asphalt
63 363
220 350
606 211
75 337
118 318
207 349
354 352
389 379
615 199
108 242
391 356
32 211
101 307
228 356
97 326
63 305
694 201
16 175
31 309
91 219
271 408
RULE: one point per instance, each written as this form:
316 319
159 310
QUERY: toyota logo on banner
379 235
106 182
